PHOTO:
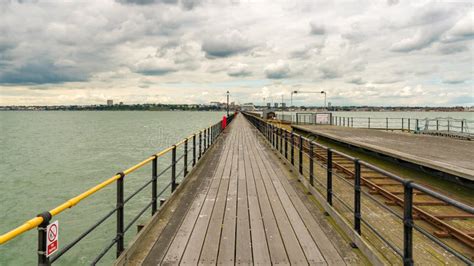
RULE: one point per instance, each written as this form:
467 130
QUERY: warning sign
52 233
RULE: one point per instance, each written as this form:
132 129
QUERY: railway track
445 221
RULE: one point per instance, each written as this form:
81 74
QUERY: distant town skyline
375 53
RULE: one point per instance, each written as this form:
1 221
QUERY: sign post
52 233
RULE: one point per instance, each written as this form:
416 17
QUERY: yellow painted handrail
35 222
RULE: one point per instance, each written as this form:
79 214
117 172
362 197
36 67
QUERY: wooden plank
227 244
276 247
210 248
196 240
319 238
260 249
179 243
243 252
292 245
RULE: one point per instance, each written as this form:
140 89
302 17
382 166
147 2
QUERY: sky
361 52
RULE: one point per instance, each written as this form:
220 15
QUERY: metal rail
42 220
336 162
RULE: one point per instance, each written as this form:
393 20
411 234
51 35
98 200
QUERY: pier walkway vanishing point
241 207
446 155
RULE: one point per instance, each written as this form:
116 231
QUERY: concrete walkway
447 155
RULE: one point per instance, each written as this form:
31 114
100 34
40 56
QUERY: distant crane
320 92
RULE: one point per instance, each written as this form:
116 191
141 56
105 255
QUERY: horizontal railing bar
394 248
381 171
104 251
163 171
75 241
138 191
441 197
138 216
349 208
443 245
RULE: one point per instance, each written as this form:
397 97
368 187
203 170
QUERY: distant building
283 105
269 105
248 107
276 105
121 103
110 102
215 104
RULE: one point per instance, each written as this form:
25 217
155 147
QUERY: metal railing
200 142
287 143
449 125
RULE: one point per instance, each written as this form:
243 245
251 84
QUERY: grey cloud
452 49
154 66
39 72
225 45
386 80
392 2
454 80
430 25
239 70
317 29
356 80
278 70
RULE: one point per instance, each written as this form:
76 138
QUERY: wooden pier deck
241 206
447 155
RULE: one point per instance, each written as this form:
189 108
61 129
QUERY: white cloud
239 70
278 70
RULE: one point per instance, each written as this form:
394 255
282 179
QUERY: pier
244 191
242 209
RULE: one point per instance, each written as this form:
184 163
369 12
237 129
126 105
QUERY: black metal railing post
281 140
185 158
408 124
329 177
300 153
43 259
276 138
408 224
357 214
368 122
173 169
154 185
292 142
194 150
120 215
286 144
204 147
273 136
200 145
208 137
311 166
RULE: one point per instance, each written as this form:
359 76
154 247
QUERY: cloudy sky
395 52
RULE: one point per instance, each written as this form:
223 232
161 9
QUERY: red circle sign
52 233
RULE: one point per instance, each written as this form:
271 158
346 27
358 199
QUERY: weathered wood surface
248 213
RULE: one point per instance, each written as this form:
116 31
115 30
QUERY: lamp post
324 99
292 92
227 103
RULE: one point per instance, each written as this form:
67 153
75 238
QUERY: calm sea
49 157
